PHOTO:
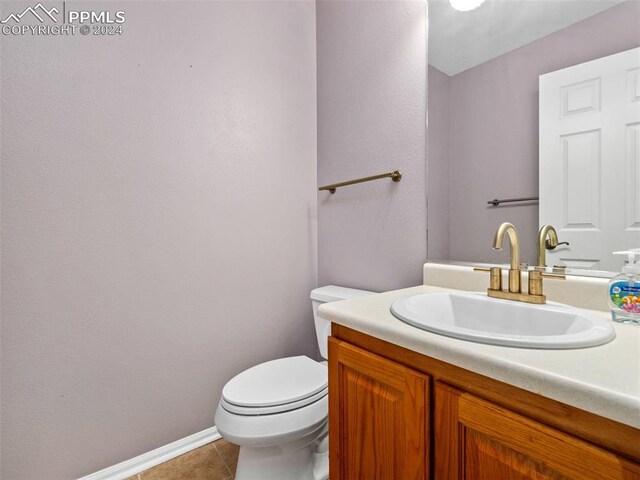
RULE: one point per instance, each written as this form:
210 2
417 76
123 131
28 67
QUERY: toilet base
271 463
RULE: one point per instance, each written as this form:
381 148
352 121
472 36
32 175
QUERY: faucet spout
510 230
514 271
546 231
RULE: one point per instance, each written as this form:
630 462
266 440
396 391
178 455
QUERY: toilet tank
330 293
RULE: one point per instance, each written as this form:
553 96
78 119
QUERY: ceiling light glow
465 5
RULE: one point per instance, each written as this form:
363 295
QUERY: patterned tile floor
214 461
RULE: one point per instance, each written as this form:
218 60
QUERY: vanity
410 404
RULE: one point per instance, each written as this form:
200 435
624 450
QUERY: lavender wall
158 224
438 138
494 129
371 119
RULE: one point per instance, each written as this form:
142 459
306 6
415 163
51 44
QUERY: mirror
489 123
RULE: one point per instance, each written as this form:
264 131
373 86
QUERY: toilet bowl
277 411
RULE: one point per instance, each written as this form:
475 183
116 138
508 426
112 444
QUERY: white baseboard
155 457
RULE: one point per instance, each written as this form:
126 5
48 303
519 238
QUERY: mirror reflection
533 99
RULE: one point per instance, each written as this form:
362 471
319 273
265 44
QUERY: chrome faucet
545 244
514 269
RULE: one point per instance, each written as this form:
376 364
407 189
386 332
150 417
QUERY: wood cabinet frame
619 439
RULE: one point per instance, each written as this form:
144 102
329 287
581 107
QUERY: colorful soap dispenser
624 290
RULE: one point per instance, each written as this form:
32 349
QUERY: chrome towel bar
396 176
495 202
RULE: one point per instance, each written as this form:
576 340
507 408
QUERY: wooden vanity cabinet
395 414
378 417
479 440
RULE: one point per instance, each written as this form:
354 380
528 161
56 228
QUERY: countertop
604 380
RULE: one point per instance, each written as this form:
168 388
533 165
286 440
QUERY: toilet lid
278 382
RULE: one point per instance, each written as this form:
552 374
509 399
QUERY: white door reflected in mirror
590 159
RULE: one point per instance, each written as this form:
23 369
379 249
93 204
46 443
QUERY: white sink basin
479 318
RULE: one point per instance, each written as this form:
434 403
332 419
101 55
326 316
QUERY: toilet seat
240 410
291 428
276 386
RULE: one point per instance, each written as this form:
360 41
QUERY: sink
479 318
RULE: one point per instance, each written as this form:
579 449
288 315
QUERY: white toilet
277 411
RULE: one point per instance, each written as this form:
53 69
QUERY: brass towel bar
396 176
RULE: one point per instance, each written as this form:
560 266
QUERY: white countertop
604 380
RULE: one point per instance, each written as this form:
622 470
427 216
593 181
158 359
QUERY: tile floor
214 461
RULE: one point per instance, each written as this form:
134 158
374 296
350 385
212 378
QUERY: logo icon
34 11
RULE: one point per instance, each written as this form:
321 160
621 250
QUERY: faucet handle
495 276
535 282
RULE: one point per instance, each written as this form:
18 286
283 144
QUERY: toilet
277 411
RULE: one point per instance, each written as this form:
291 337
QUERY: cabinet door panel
378 417
486 458
478 440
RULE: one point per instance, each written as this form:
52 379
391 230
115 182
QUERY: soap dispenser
624 290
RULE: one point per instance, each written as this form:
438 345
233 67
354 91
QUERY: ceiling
461 40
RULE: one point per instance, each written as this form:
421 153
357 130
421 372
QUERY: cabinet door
378 417
478 440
